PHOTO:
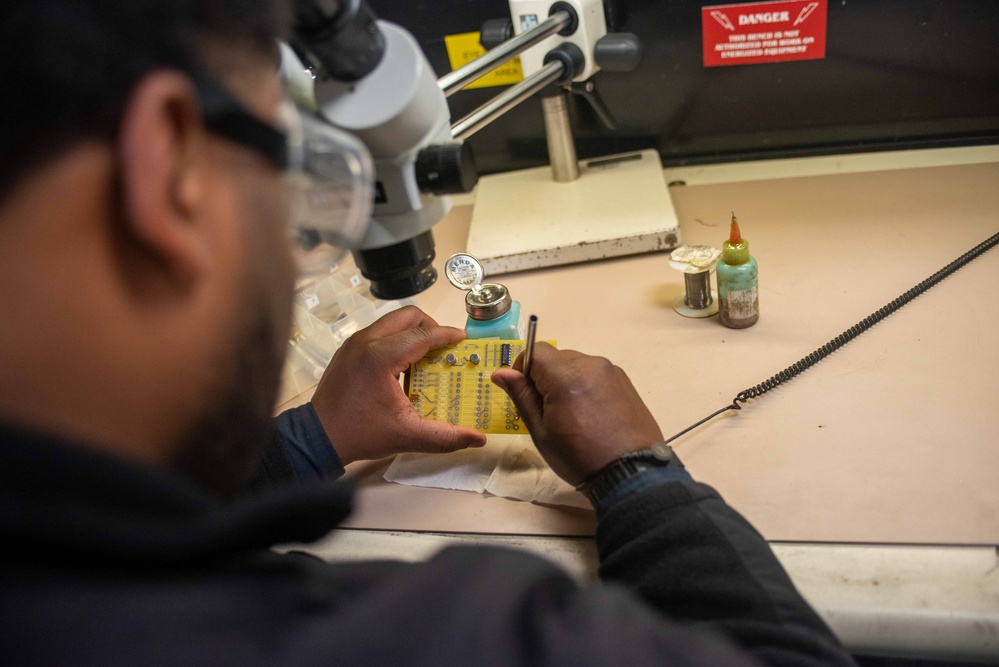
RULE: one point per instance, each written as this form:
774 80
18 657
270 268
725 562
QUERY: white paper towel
465 470
508 466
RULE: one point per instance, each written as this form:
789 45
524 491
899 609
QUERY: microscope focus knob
618 52
446 169
494 32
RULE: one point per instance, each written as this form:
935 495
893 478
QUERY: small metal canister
492 312
489 302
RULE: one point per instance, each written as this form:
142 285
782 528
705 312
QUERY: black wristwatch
598 486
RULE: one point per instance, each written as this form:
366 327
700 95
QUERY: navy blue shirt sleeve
311 453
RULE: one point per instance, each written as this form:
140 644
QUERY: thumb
431 435
523 394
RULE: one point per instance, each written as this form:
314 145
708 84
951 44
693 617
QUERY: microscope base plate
620 205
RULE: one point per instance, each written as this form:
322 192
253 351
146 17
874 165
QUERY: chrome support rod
490 60
507 100
558 132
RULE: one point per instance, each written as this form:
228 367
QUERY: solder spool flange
696 262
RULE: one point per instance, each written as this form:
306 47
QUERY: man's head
144 270
69 66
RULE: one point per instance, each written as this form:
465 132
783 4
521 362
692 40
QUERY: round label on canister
463 271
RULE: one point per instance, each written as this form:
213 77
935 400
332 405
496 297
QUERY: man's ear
161 145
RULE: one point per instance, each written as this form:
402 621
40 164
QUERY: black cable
839 341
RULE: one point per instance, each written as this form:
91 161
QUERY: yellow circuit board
452 385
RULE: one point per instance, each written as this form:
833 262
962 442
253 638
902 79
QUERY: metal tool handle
532 332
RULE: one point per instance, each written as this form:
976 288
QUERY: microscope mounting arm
369 77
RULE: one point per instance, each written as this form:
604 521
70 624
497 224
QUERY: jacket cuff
311 453
641 481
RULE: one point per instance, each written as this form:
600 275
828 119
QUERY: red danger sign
764 32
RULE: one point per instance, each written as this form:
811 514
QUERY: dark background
897 74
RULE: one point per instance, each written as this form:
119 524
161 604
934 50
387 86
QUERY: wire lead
839 341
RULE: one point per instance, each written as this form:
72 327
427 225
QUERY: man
144 286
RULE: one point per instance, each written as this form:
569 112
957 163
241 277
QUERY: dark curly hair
68 66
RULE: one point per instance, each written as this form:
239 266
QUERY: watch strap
598 486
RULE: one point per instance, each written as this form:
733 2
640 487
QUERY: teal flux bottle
738 277
492 313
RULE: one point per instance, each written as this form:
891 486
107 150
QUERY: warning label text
764 32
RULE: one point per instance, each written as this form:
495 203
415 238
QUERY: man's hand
360 403
583 412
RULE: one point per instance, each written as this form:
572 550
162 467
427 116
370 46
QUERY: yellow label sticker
464 48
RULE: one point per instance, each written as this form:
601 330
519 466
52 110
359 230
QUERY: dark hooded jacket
105 562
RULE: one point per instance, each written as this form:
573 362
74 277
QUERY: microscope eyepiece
340 36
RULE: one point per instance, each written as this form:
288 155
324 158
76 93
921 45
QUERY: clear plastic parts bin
327 311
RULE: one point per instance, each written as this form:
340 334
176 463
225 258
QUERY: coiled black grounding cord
839 341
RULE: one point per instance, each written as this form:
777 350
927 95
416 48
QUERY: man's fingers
542 350
518 363
548 366
430 435
407 347
523 394
407 317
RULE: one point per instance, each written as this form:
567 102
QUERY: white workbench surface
886 600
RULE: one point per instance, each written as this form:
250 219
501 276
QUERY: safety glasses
328 173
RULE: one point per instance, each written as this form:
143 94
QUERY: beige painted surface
523 220
893 439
